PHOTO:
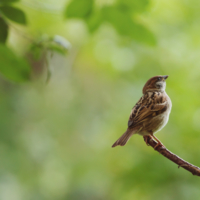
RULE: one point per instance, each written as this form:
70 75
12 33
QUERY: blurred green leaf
125 26
14 14
57 48
79 9
36 51
3 30
133 6
61 42
13 67
7 1
94 21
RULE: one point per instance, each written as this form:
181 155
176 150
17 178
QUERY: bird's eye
159 78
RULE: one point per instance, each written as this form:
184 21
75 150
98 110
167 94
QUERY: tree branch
174 158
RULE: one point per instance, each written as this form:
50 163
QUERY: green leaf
125 26
79 9
14 14
58 44
36 51
3 30
132 6
7 1
94 21
57 48
13 67
62 42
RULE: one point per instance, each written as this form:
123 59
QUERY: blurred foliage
120 16
55 138
7 1
13 67
3 31
13 14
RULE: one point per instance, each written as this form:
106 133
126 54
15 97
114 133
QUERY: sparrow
151 112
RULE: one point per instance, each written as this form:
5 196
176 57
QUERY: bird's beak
165 77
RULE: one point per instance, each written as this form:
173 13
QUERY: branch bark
174 158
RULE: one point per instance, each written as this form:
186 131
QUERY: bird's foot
146 139
159 145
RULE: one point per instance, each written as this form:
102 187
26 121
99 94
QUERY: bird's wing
150 105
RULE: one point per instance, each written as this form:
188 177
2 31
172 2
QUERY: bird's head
156 83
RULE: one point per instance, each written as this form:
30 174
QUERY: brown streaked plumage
151 112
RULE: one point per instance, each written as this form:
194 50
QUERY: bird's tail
124 138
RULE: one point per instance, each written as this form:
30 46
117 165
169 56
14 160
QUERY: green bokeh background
55 138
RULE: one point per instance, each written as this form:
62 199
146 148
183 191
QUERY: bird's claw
146 139
159 146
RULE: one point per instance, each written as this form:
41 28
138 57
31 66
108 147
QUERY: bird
151 112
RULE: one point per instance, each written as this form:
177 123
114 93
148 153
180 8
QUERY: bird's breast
155 124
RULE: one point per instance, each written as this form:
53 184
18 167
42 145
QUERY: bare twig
174 158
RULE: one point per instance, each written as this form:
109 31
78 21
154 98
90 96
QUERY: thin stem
173 157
